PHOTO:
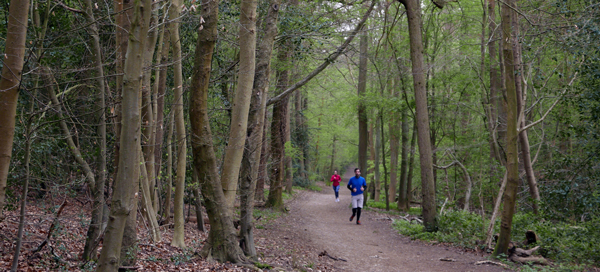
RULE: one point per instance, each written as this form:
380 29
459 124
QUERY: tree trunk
521 104
147 179
332 164
385 175
241 102
403 202
124 186
411 164
95 227
394 150
263 174
299 133
161 86
413 11
198 201
147 208
10 82
278 129
363 127
377 149
178 219
169 186
98 198
222 243
512 160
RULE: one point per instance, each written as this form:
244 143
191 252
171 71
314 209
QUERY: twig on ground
52 226
492 263
324 253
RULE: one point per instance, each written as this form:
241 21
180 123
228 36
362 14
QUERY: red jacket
336 180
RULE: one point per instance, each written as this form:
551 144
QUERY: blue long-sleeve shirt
355 182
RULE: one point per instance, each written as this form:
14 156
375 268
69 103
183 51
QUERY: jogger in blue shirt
357 185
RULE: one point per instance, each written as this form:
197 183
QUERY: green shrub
562 242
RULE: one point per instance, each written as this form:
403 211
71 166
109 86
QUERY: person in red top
335 179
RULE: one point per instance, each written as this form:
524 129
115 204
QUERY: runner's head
356 172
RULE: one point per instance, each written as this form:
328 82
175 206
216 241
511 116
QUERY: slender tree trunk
385 175
512 160
241 102
278 129
178 232
160 88
413 11
299 132
263 174
147 179
363 127
198 201
394 150
14 53
124 10
371 171
222 244
147 209
521 104
123 199
411 164
97 194
403 202
377 133
28 142
332 164
95 227
169 186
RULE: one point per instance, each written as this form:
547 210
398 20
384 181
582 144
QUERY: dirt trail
373 246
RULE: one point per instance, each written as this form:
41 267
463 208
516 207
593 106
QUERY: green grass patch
562 242
315 188
262 265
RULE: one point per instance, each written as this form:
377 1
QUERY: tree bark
222 243
123 199
169 186
394 150
14 54
413 11
263 174
378 154
241 102
198 202
178 219
147 179
363 127
279 127
403 202
512 160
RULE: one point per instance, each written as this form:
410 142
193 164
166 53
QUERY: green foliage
561 242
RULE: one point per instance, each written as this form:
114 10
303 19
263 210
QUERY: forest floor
315 224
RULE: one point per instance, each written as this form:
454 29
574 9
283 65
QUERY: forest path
372 246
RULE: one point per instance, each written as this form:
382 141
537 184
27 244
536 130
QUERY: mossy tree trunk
222 243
